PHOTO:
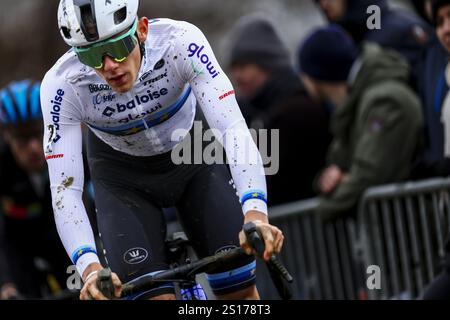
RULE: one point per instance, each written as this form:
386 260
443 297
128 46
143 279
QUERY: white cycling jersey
178 69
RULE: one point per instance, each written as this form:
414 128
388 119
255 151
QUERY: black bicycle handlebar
208 264
277 271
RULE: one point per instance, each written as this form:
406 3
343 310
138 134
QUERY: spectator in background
439 289
260 68
274 98
433 88
27 227
25 203
424 10
377 123
399 30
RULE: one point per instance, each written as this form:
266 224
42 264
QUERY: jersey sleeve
215 95
63 150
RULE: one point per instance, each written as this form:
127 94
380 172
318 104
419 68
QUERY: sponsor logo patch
99 99
94 88
56 112
154 80
159 65
56 156
135 256
196 51
137 101
230 93
131 118
225 249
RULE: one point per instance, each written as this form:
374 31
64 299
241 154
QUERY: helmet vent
89 25
66 32
120 15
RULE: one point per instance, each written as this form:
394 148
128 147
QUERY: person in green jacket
376 122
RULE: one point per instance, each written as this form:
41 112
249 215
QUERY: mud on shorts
129 194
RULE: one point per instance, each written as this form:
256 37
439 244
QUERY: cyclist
135 83
28 229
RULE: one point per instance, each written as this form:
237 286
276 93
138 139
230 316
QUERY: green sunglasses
117 48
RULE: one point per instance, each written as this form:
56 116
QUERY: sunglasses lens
118 49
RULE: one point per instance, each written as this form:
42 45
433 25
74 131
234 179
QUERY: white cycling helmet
84 22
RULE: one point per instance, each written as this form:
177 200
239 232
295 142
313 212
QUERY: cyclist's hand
273 237
90 290
9 292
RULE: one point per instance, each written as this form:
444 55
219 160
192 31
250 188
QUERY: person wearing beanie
400 30
377 120
271 96
257 41
260 68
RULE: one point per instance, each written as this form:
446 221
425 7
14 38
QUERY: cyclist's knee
250 293
164 297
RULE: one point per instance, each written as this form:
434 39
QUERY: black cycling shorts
130 193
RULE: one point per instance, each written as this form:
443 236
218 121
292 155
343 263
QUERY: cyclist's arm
63 150
215 95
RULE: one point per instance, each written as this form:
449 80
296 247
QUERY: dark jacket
433 89
282 104
29 229
376 133
400 30
281 85
304 139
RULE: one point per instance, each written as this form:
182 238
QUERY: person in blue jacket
433 88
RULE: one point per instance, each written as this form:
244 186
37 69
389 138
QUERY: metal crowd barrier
400 227
403 231
318 255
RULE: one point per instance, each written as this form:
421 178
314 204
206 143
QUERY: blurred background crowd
357 105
